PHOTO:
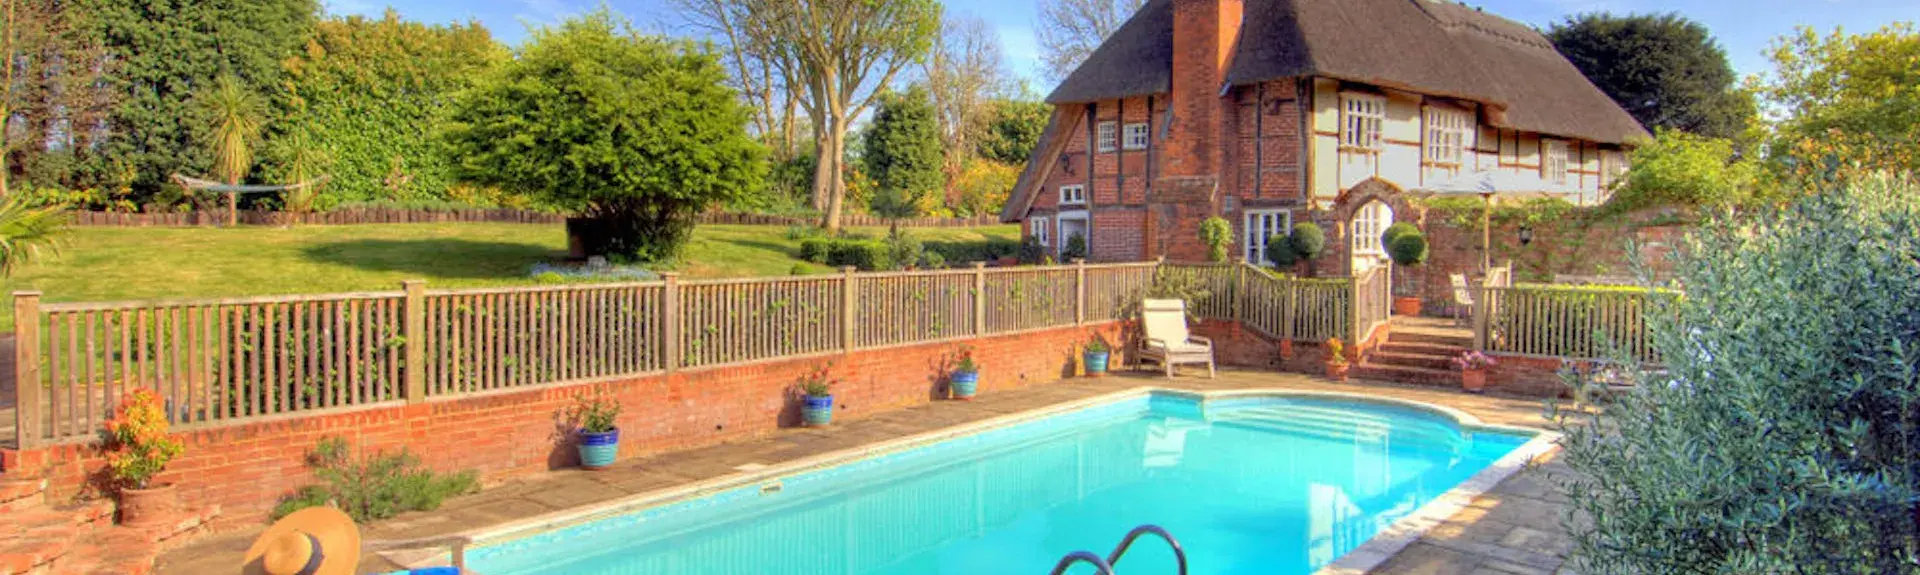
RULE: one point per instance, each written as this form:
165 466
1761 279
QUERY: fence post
1353 312
1080 291
26 367
979 299
849 290
670 322
1483 307
1239 299
415 331
1287 309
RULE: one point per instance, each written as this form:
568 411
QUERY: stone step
1461 340
120 552
36 552
1404 374
1440 349
22 496
1429 361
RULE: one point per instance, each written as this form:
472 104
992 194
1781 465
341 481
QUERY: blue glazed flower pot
1096 363
817 410
598 450
964 383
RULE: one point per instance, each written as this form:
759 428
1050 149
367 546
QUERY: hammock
233 191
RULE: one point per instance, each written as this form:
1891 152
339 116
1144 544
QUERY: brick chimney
1204 33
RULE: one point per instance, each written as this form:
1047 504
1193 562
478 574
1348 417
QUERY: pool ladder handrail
1105 566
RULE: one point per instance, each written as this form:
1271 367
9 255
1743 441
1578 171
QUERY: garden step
1404 374
1422 348
1404 359
16 489
120 552
1460 340
37 553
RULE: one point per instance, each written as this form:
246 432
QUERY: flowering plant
137 438
819 381
1336 352
1473 361
1097 344
596 414
963 363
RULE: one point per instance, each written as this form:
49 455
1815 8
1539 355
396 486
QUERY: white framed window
1361 116
1260 226
1073 194
1554 166
1040 228
1135 137
1105 136
1447 136
1612 164
1368 223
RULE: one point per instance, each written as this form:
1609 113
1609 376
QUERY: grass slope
97 264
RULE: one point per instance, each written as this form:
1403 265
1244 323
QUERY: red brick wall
1528 376
1118 235
1564 247
246 468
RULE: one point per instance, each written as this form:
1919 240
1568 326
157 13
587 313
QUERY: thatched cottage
1270 112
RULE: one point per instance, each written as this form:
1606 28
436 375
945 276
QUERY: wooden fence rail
1569 322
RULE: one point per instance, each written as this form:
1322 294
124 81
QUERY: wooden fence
223 361
352 216
1568 322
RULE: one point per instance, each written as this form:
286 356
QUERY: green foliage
1664 69
983 187
638 132
816 249
376 487
1013 130
1780 435
817 382
164 51
1851 104
973 251
901 151
1280 252
1681 169
232 115
801 269
902 249
28 231
1217 234
369 94
598 413
1395 230
1031 252
1408 248
1170 283
867 255
1308 241
1075 248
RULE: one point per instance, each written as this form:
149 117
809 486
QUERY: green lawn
97 264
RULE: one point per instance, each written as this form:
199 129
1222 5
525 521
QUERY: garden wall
246 468
1570 246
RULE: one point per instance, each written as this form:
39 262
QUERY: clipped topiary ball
1280 252
1397 230
1409 249
1308 240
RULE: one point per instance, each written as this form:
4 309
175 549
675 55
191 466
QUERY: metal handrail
1179 554
1100 565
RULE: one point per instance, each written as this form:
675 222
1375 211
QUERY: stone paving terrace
1515 529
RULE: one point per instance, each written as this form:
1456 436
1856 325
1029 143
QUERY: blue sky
1745 28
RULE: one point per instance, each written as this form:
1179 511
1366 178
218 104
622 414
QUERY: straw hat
311 541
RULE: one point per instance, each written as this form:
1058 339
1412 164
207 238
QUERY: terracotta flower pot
1473 380
1406 306
150 506
1337 371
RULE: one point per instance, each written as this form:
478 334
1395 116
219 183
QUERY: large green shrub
973 251
376 487
1308 240
1783 435
868 255
1280 252
1075 248
816 250
1216 234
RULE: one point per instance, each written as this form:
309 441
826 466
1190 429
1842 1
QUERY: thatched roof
1426 46
1052 140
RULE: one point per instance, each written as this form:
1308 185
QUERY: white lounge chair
1167 340
1462 297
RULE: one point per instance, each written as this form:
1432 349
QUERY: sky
1744 28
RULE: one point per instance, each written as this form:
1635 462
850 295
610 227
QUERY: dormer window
1361 116
1073 194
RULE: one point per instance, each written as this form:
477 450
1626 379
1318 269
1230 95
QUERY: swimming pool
1252 484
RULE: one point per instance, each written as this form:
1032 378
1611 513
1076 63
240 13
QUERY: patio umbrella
1486 183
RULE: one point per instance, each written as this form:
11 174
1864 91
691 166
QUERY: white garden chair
1462 296
1167 340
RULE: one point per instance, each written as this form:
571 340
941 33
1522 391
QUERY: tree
1013 130
1685 170
368 90
233 117
1765 443
963 75
1664 69
901 152
1850 104
1070 30
752 55
164 52
983 188
56 82
639 133
839 54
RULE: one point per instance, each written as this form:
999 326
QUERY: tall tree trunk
825 170
836 139
6 165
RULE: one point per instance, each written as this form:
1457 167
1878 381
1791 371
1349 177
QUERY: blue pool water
1267 485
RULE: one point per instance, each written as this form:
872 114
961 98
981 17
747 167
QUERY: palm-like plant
235 117
27 231
303 163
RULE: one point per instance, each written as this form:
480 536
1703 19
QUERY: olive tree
1782 434
636 132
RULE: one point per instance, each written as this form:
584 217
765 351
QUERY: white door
1368 223
1069 228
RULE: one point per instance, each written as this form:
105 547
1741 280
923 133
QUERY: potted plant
816 391
965 379
1336 359
599 433
1407 247
139 450
1473 370
1095 355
